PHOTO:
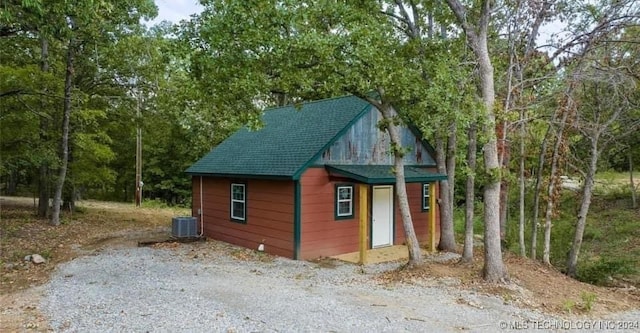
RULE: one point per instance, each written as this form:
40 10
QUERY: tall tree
76 25
524 19
64 146
446 145
441 62
566 111
472 147
588 27
22 21
609 111
43 172
477 37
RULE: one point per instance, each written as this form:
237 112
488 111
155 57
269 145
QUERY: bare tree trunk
43 172
388 114
12 185
415 254
43 182
521 183
572 263
536 192
452 141
504 201
447 237
69 191
64 156
632 184
494 269
430 25
546 254
281 98
504 157
467 252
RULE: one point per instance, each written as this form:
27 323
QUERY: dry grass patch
94 225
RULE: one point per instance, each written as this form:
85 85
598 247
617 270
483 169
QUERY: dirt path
20 311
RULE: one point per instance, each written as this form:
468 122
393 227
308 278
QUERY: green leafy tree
29 93
80 24
253 53
73 32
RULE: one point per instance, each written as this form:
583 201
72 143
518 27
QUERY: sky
176 10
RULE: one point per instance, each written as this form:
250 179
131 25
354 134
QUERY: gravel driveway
192 288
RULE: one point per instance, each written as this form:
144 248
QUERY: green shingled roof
383 174
290 139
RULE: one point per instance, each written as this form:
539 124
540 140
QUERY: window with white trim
344 201
425 197
238 202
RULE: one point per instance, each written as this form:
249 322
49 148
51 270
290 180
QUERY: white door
382 216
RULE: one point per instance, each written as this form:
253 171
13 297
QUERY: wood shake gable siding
322 234
269 213
363 143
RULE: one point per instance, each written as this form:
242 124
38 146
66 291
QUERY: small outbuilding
316 180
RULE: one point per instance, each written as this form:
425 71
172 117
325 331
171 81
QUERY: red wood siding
269 213
420 218
321 233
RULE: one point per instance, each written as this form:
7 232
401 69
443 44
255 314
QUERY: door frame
393 214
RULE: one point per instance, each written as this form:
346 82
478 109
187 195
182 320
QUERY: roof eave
386 180
234 175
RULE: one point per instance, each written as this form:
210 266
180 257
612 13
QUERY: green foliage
608 248
197 82
45 253
119 64
317 50
586 303
458 221
493 175
602 270
20 113
615 191
568 306
154 203
588 299
91 151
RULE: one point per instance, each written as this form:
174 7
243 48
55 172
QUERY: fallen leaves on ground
532 284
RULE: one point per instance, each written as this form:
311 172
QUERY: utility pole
139 183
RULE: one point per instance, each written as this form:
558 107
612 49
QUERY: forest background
537 133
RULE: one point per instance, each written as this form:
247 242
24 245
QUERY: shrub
600 271
588 300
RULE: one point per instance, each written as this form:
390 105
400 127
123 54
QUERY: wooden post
432 217
363 190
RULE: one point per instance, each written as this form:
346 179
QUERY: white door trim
382 216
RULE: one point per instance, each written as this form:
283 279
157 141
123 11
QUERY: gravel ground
190 289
